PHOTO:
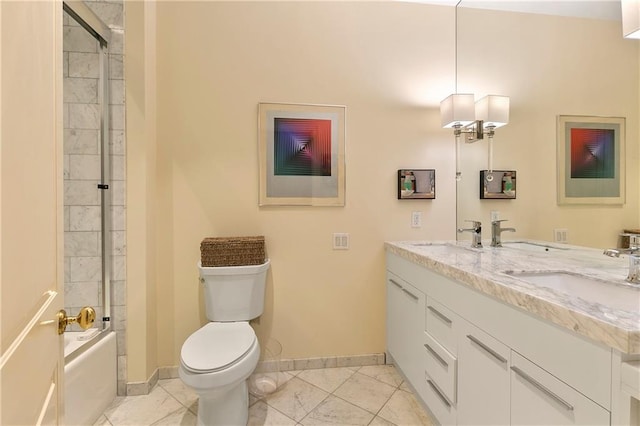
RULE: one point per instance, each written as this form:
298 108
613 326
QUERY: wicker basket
232 251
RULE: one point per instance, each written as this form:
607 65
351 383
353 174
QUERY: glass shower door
86 171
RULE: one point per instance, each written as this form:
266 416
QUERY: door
539 398
31 219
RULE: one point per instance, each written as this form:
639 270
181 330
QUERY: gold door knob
84 319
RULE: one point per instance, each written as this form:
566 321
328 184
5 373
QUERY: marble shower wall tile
85 218
116 142
118 271
84 65
119 290
81 90
121 343
116 95
116 117
81 244
84 116
76 39
118 193
118 167
81 141
81 193
111 13
82 293
118 243
117 41
116 68
65 64
118 217
85 167
85 269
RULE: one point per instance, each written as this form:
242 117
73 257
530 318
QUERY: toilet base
230 408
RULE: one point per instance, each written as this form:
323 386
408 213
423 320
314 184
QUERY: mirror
548 66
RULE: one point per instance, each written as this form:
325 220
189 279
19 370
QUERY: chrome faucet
496 230
634 256
476 231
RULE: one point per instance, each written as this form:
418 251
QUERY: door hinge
103 186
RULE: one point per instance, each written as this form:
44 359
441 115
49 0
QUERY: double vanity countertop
607 311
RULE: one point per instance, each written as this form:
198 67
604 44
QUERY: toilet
217 359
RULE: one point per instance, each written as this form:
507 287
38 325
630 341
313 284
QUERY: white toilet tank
234 293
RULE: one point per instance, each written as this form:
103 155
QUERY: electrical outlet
416 219
495 215
561 235
340 241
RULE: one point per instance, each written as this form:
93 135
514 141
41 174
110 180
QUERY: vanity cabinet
405 325
482 362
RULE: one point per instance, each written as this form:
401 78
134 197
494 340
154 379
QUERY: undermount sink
589 289
446 247
531 246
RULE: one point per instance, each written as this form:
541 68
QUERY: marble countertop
494 271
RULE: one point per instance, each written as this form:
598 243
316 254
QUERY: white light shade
630 18
493 110
457 109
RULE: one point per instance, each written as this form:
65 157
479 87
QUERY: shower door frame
81 13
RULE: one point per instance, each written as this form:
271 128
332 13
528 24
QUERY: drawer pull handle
437 391
395 283
439 314
413 296
543 388
436 356
487 349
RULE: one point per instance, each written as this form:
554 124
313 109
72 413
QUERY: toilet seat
216 346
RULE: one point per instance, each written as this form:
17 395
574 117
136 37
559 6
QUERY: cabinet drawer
537 397
441 366
440 407
441 324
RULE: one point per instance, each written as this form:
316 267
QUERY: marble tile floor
369 395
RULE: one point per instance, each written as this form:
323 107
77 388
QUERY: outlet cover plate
416 219
341 241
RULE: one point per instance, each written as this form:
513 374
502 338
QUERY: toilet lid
216 345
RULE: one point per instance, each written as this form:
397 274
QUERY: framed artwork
301 154
591 158
497 184
416 184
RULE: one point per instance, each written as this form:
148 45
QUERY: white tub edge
90 382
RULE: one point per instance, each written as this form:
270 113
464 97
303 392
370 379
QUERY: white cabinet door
395 318
538 398
483 378
405 325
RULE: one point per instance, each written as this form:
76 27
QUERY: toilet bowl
215 362
217 359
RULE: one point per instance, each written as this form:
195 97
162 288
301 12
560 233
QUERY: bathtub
90 376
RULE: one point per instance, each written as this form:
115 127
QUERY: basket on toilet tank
232 251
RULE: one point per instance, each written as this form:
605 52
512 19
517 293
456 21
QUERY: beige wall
142 301
390 63
216 62
549 66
